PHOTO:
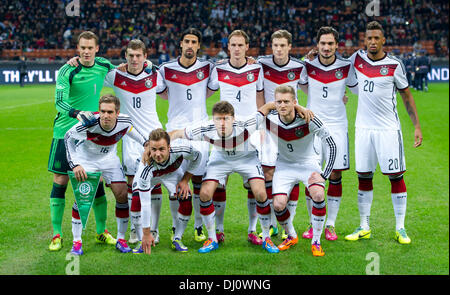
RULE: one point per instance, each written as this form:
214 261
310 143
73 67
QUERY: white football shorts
383 147
110 167
131 155
220 166
287 175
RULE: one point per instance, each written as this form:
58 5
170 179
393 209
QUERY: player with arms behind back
240 84
378 136
328 76
186 79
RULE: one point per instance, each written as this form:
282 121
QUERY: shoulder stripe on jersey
74 72
103 64
168 62
399 61
178 149
146 171
297 60
316 121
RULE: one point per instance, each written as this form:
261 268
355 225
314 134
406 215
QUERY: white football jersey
326 88
296 140
236 144
238 86
96 144
169 173
187 88
378 83
292 73
137 94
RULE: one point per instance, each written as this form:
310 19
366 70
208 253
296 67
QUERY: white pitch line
26 128
23 105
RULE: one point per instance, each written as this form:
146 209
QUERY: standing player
186 79
328 76
378 136
279 69
93 149
232 152
136 88
241 85
296 162
162 162
76 97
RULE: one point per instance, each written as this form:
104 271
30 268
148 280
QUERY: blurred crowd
43 24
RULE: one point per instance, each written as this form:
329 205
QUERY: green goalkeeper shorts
57 161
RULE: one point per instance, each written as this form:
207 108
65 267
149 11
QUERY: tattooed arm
410 106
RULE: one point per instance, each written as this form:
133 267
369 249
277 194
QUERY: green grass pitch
26 117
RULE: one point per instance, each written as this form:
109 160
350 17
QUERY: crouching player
297 162
94 149
169 164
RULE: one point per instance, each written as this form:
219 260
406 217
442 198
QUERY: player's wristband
73 113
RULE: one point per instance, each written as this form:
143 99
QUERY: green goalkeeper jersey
78 88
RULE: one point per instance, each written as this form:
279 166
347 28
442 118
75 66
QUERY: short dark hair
326 31
110 98
88 35
158 134
374 25
136 44
192 31
223 107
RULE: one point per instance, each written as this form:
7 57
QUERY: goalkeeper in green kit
76 98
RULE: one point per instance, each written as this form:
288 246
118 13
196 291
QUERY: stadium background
45 34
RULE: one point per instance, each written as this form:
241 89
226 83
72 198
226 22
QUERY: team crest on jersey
200 75
291 76
250 77
148 83
338 74
384 71
299 133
